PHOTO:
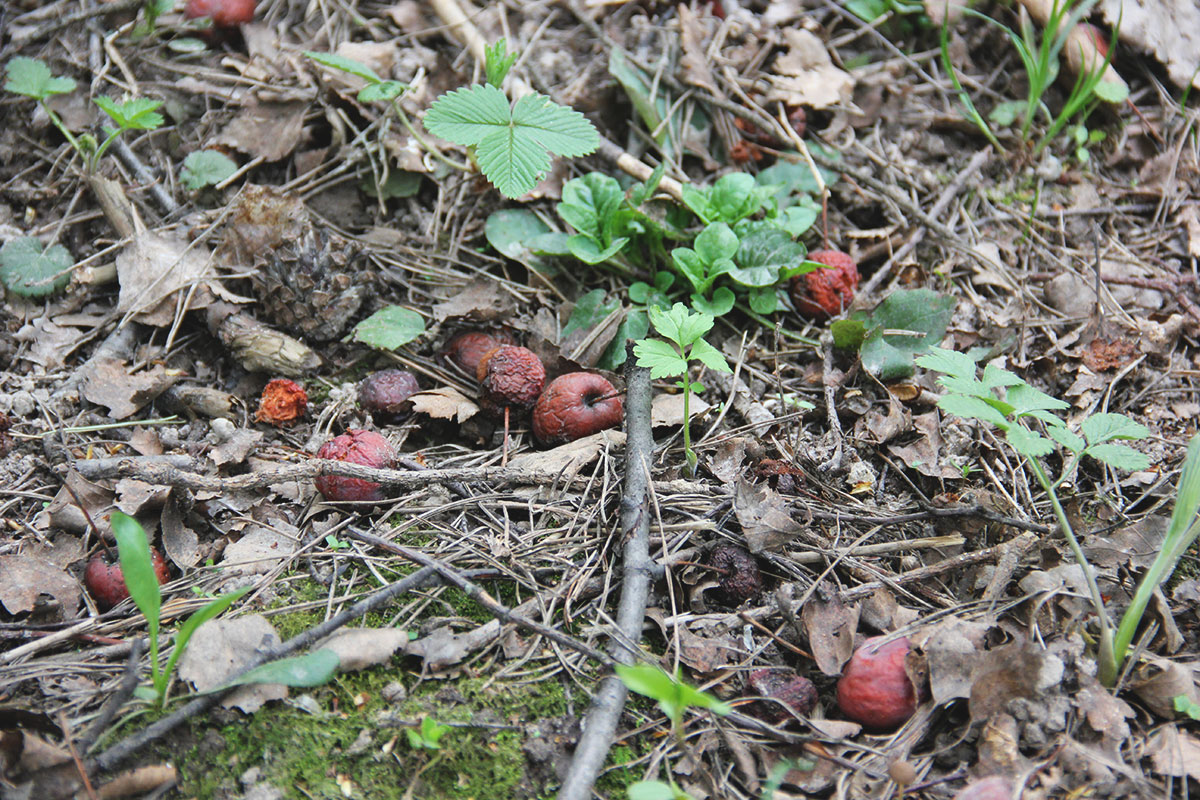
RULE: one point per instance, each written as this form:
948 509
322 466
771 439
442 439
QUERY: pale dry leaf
443 647
666 410
566 459
767 523
222 647
444 403
24 576
49 343
135 497
269 131
1158 681
952 650
111 384
152 268
359 648
235 448
262 548
180 543
1168 28
830 628
1175 752
805 74
480 301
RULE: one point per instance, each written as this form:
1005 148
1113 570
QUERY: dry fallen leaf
359 648
221 647
805 74
444 403
110 384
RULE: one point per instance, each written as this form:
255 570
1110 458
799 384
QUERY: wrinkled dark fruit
224 13
575 405
282 402
384 394
994 787
825 292
357 447
739 578
780 475
875 690
105 581
785 685
468 348
511 377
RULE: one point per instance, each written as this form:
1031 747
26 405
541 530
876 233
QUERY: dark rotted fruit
510 377
105 581
875 690
575 405
224 13
785 685
994 787
739 578
825 292
357 447
468 348
283 402
385 394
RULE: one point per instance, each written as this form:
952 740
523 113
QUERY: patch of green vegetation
616 782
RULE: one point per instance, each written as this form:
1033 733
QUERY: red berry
357 447
106 582
282 402
510 377
825 292
875 689
784 685
575 405
468 348
385 394
224 13
995 787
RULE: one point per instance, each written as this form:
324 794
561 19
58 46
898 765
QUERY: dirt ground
477 604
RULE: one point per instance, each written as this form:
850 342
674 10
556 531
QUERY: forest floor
475 608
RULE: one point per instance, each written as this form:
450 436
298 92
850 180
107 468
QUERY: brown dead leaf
1175 752
479 301
1004 674
232 446
152 268
766 520
110 384
359 648
1158 681
221 647
180 543
444 403
64 512
953 650
924 454
830 627
49 344
135 497
805 74
666 410
566 459
269 131
443 647
24 576
1105 714
262 548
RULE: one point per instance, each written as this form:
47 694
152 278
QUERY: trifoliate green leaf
206 168
29 271
1119 456
136 113
709 356
32 78
661 358
1103 427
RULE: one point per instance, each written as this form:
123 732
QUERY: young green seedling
685 343
427 735
1000 398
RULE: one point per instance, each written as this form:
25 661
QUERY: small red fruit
825 292
357 447
784 685
575 405
994 787
106 582
875 689
385 394
224 13
511 377
468 348
282 402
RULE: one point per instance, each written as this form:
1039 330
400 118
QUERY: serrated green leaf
387 90
465 116
1119 456
561 130
661 358
29 271
971 408
1027 443
950 362
312 669
1066 438
206 168
136 113
389 328
497 62
334 61
1025 399
996 377
32 78
512 162
709 356
1104 427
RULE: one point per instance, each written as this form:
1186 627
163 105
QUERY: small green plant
1185 705
28 269
1023 414
674 697
427 735
1039 55
206 168
685 343
906 323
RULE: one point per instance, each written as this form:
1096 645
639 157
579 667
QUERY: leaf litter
918 532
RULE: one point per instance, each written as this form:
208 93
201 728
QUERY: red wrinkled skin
824 293
105 581
468 348
874 689
784 685
357 447
995 787
282 402
571 408
510 377
385 394
224 13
